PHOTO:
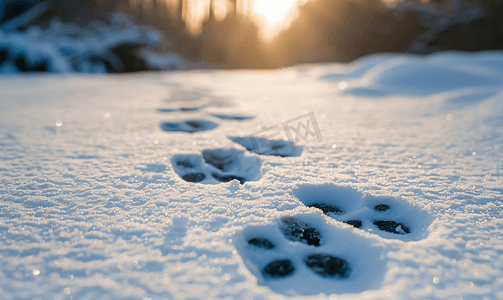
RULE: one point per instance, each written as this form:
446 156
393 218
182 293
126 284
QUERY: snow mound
417 76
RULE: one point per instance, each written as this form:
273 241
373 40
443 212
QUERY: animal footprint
297 231
265 146
385 216
384 225
216 166
305 255
232 117
189 126
180 109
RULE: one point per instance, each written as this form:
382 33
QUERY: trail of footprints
195 125
224 165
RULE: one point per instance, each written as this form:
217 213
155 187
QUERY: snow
420 77
66 47
93 204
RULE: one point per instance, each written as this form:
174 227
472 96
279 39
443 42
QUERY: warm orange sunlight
273 15
270 15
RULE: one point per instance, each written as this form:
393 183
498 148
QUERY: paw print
180 109
265 146
232 117
305 255
216 166
386 216
297 231
189 126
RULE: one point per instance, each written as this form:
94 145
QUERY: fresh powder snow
378 179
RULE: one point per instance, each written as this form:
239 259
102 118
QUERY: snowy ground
114 187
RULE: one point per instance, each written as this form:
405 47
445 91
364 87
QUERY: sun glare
274 15
270 15
273 11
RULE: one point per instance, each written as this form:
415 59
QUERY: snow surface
93 205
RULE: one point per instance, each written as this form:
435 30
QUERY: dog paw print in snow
216 166
180 109
386 216
305 255
265 146
232 117
189 126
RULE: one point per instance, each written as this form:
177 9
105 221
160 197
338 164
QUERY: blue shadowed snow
416 76
390 197
232 117
190 126
184 109
265 146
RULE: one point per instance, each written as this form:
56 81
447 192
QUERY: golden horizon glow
273 15
270 15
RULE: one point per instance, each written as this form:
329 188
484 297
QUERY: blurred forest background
138 35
